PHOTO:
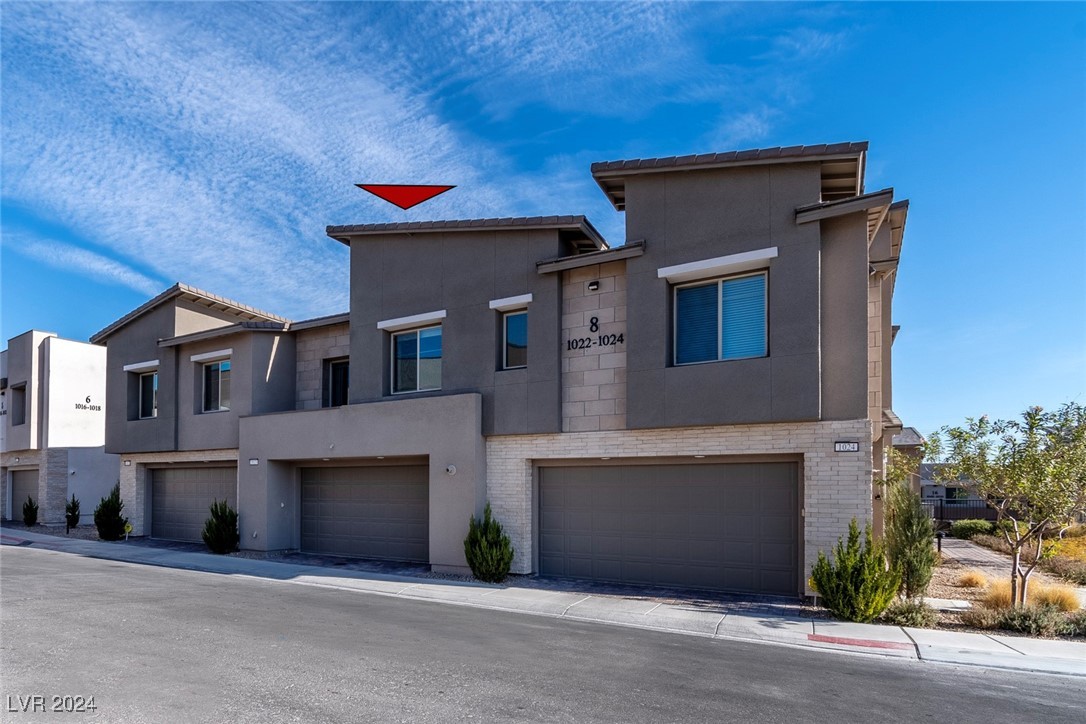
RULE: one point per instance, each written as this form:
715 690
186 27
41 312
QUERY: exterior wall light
450 469
593 286
254 461
127 463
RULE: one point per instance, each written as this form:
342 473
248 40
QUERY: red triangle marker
404 195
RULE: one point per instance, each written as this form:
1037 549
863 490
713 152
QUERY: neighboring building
910 443
702 406
54 414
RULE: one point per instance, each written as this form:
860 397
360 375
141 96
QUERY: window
721 320
416 360
148 395
514 340
18 405
217 386
336 382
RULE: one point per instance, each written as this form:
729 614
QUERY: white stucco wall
75 393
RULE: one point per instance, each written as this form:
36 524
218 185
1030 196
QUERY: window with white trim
148 392
514 339
216 386
721 319
416 360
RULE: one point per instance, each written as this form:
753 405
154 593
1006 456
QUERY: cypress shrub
107 516
910 540
221 529
71 512
857 585
488 549
30 512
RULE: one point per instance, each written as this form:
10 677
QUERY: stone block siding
313 346
594 378
837 486
136 479
27 459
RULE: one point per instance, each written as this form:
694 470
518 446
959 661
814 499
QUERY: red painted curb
859 642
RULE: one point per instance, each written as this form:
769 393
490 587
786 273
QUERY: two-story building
703 405
52 426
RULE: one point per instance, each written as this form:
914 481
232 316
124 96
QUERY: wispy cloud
77 260
744 128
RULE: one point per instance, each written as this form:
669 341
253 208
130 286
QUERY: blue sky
208 143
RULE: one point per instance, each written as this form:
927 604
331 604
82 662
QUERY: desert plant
966 529
910 536
1063 598
857 585
1067 568
221 529
973 579
488 549
71 512
1033 619
30 512
982 618
910 612
998 596
1074 625
107 516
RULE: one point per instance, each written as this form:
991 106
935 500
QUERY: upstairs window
18 405
514 339
148 404
723 319
217 386
416 360
336 382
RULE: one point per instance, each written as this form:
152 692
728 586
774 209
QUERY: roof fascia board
626 251
619 172
344 234
320 322
817 212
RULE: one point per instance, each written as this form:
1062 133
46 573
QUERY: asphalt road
161 645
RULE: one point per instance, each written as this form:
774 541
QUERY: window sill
213 412
714 361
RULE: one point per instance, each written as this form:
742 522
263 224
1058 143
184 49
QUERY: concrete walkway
761 624
993 563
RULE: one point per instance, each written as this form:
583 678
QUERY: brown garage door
367 512
181 498
728 527
23 483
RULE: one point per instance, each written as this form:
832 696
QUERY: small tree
107 516
857 585
221 529
910 535
488 549
71 512
1032 471
30 512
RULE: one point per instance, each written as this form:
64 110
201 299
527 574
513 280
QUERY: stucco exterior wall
837 486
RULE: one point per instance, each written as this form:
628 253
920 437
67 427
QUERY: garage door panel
367 512
717 526
181 499
24 483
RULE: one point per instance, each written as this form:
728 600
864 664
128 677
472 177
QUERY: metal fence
959 510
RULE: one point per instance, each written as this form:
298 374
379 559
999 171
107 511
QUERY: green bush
913 613
107 516
30 512
1033 620
1075 624
71 512
221 529
488 549
858 585
981 617
910 540
966 529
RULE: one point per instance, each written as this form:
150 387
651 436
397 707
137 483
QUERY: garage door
728 527
181 498
367 512
23 483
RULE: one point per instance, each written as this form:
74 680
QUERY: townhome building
52 427
704 405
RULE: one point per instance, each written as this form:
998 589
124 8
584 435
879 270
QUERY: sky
144 144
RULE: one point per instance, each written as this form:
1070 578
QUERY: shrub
221 529
912 612
1075 624
972 579
966 529
1075 531
857 585
1063 598
998 595
1067 568
30 512
488 549
982 618
107 516
71 512
910 540
1033 620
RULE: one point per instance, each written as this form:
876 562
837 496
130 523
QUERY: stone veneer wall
52 465
313 347
136 479
837 486
594 378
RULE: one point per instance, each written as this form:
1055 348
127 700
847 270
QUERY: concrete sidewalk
726 621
